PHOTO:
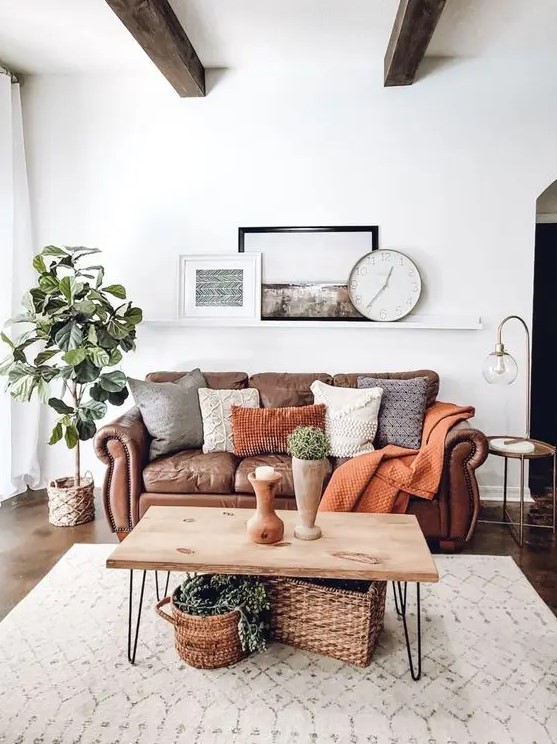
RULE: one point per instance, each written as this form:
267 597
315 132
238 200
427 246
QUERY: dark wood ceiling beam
154 25
413 28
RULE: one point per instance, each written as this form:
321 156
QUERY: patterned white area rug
490 671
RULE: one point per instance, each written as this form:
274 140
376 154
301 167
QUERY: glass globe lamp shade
500 368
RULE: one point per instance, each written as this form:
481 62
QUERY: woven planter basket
69 505
338 622
205 642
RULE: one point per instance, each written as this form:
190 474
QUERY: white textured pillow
216 411
351 417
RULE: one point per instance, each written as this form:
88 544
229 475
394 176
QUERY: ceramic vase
265 526
308 486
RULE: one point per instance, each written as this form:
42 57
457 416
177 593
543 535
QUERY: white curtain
19 422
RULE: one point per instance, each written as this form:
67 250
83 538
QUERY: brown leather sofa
132 483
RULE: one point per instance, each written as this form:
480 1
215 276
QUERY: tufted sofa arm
465 450
123 446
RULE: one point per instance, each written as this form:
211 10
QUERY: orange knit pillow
264 431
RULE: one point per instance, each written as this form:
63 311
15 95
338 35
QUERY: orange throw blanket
382 481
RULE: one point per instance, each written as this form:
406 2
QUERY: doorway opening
543 424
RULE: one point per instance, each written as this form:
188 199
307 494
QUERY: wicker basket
205 642
69 505
317 615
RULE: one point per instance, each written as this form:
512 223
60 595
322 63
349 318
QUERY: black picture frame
373 231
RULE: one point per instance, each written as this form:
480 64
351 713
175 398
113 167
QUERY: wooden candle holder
265 527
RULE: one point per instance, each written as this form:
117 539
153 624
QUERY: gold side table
540 449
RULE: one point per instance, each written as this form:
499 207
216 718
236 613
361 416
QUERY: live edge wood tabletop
380 547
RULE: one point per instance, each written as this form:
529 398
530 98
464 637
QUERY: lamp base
513 444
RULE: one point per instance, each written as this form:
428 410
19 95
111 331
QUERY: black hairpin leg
397 608
165 586
400 606
131 653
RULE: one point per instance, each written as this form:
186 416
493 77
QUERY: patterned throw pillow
351 417
216 411
264 431
170 412
401 417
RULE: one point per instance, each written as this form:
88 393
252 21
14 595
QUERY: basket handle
164 615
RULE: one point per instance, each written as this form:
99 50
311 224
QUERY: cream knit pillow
351 417
216 411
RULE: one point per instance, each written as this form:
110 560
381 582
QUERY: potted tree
309 448
73 333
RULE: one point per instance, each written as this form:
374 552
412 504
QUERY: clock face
384 285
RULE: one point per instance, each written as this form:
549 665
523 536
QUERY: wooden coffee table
374 547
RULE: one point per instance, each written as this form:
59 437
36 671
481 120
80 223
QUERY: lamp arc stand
500 348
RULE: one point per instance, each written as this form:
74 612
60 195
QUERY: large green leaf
6 339
39 264
128 343
53 250
43 389
86 307
92 335
116 399
44 356
86 372
71 436
134 315
113 382
22 388
117 330
75 356
115 357
56 435
69 336
86 429
98 356
97 393
105 340
68 287
117 290
27 302
81 249
49 283
59 406
95 409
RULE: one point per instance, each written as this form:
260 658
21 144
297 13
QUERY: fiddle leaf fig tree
74 330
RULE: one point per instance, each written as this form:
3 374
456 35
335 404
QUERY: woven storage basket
69 505
338 622
205 642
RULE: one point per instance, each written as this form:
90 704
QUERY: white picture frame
215 287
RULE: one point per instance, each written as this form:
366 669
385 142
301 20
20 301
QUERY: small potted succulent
309 448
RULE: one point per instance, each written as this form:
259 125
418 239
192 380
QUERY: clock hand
381 288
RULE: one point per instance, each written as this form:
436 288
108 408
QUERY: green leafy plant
308 443
217 594
74 333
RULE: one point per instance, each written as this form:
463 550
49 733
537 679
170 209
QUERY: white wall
449 169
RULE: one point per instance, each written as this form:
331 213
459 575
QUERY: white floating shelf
414 322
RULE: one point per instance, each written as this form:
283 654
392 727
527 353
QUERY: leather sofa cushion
279 389
220 501
191 471
281 463
351 380
215 380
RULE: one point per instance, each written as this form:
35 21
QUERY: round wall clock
384 285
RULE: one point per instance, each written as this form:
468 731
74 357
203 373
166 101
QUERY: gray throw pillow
171 412
401 416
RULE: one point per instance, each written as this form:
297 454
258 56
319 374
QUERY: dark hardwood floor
30 546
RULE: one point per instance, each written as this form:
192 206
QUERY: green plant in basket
73 333
308 443
217 594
